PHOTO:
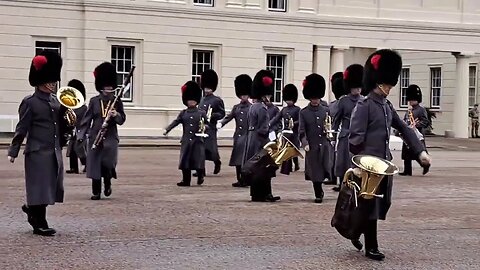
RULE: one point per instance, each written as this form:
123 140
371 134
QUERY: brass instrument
327 126
70 98
411 119
282 150
202 125
413 125
111 106
371 170
289 128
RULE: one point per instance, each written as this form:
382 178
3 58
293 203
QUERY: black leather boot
200 177
407 168
374 254
96 189
40 212
107 182
186 179
317 188
30 217
357 244
218 166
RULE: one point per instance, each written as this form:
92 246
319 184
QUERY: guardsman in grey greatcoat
102 161
41 120
239 112
312 134
192 151
287 118
209 83
421 122
272 111
352 80
76 150
370 127
258 129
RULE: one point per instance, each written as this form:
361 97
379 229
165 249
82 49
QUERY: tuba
71 99
282 150
371 170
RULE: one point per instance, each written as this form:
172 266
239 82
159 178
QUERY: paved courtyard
150 223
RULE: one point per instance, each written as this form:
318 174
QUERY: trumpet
327 126
72 99
202 125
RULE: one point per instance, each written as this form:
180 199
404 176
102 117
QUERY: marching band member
209 83
418 115
243 87
193 120
102 161
370 125
41 121
262 90
288 116
312 134
75 150
272 111
352 81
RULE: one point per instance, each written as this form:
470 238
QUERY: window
276 64
201 60
277 5
472 85
435 86
208 3
404 83
123 59
53 46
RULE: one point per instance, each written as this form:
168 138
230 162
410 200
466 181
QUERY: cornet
72 99
327 125
202 126
289 128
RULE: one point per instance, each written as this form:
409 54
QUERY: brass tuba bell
282 150
371 170
72 99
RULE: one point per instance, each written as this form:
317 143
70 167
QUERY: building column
321 55
337 63
460 121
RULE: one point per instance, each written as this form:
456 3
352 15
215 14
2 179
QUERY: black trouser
317 188
187 175
97 185
370 235
259 190
39 215
295 163
407 165
238 170
74 161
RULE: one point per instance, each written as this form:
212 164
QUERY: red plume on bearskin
45 68
262 84
382 67
39 61
354 78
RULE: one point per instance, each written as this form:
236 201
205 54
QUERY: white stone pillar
337 63
460 103
321 65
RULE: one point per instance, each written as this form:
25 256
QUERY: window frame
284 75
203 4
196 77
285 2
433 88
403 87
63 53
475 86
124 73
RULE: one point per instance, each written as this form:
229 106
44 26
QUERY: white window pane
122 59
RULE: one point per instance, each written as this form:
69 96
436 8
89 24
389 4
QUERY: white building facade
173 41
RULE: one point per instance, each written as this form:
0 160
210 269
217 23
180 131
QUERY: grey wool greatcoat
272 111
370 126
192 151
41 121
341 121
80 148
312 133
420 114
283 116
239 112
257 129
101 162
218 112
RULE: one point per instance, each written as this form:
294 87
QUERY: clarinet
101 134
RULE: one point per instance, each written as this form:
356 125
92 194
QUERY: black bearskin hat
262 84
313 86
243 85
414 93
209 79
105 75
45 68
353 77
335 76
383 66
78 85
337 88
191 91
290 92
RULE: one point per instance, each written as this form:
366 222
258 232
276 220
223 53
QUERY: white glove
306 148
219 125
165 133
11 159
425 158
272 136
